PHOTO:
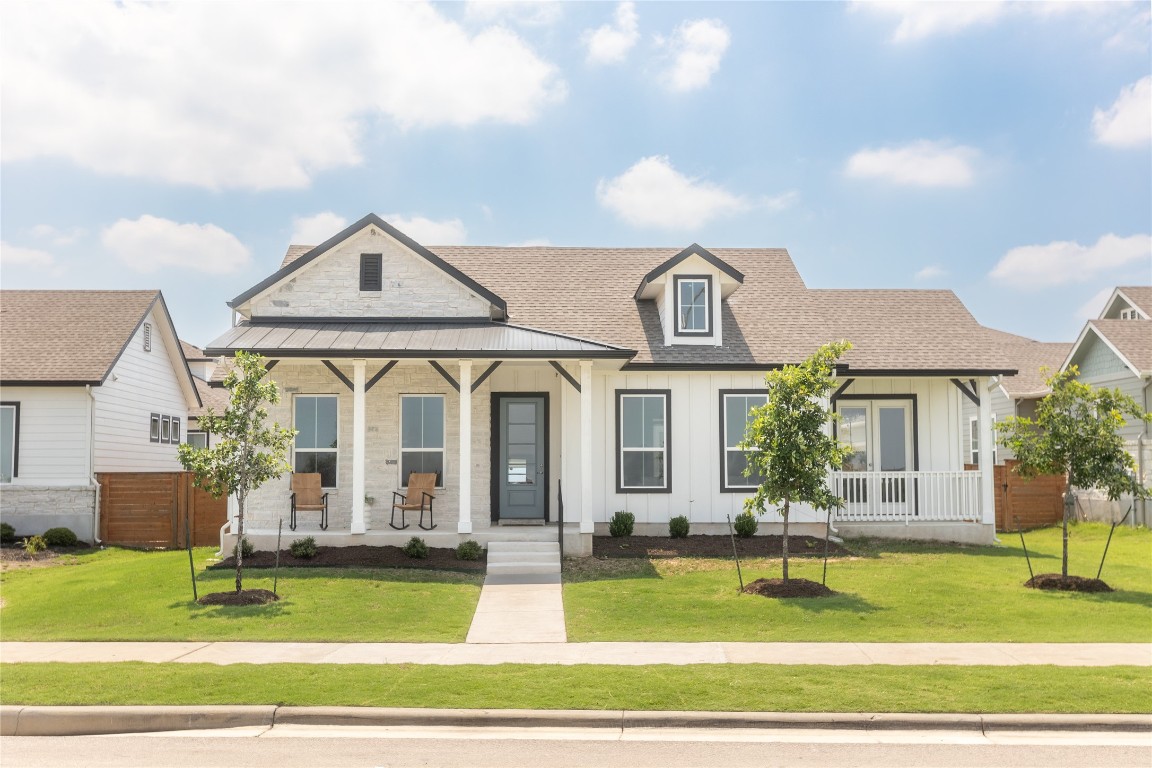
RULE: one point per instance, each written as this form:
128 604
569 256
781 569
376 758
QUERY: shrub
469 550
746 525
34 544
7 533
416 548
622 524
678 527
246 548
304 548
60 537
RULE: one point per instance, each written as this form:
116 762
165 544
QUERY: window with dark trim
196 439
693 299
175 436
735 415
422 436
371 271
165 429
9 441
316 422
154 428
147 337
643 440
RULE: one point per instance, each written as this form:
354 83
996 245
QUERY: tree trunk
785 543
1069 505
240 542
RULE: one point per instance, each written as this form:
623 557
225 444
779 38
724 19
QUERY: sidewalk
623 654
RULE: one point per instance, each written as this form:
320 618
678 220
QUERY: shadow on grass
233 612
842 602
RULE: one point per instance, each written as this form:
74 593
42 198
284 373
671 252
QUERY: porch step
523 557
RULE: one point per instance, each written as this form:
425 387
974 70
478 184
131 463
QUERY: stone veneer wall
33 509
269 503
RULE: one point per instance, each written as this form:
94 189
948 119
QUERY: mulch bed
1069 584
243 597
361 556
712 546
790 588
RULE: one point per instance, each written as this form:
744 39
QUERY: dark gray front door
521 463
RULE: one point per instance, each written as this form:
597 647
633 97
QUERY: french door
878 434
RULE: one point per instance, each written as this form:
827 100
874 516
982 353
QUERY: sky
1000 150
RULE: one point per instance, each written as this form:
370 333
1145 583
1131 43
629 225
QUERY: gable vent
371 271
147 337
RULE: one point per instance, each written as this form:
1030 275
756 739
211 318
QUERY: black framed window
643 440
693 297
165 429
175 436
9 441
735 415
317 436
422 436
371 271
154 428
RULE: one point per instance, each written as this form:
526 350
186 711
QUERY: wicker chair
421 494
308 496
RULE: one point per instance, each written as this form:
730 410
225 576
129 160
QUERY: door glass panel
854 432
521 413
518 472
524 434
893 440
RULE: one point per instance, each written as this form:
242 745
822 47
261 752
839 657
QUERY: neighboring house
213 396
613 378
1115 351
90 381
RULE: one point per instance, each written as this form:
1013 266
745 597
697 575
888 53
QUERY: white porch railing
908 496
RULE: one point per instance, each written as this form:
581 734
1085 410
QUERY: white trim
724 486
681 280
587 525
357 524
987 494
464 525
1080 340
336 450
621 449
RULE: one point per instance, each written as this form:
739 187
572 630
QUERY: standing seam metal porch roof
287 338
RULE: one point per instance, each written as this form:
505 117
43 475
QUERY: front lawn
890 592
118 594
711 687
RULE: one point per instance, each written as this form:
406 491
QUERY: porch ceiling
293 338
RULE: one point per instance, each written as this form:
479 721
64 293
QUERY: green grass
118 594
892 592
751 687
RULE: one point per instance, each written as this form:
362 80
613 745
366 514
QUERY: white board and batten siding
54 435
140 384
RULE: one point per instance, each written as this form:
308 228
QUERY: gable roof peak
735 277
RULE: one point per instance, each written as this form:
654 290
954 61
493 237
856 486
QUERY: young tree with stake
786 442
247 452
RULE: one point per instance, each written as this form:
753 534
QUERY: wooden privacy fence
150 509
1037 502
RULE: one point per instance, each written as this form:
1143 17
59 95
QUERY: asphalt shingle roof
1133 338
1141 296
66 336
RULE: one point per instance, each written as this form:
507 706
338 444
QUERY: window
974 441
147 337
693 305
1130 314
175 436
371 271
735 415
9 441
154 428
422 436
316 436
197 439
642 440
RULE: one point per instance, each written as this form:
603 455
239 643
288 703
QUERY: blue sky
1001 150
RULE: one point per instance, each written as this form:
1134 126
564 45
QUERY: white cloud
15 256
149 244
313 230
429 231
282 92
1128 122
654 194
930 273
919 164
541 242
1060 262
526 14
56 236
696 48
919 20
610 43
1092 308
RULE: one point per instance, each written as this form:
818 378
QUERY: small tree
247 452
786 442
1076 433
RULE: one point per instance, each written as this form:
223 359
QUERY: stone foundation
33 509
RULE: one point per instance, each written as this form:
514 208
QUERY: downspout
92 464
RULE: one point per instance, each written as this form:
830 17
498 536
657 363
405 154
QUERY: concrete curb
16 720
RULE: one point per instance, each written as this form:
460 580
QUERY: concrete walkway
623 654
519 609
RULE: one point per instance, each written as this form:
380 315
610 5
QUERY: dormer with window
689 290
1127 303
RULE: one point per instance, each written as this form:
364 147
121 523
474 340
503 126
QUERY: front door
879 435
521 471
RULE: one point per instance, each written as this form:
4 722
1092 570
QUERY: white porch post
358 451
987 481
465 524
586 523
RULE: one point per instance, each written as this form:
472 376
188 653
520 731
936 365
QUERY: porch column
586 523
465 524
358 526
987 481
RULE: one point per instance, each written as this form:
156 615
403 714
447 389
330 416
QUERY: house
90 382
207 373
532 379
1115 351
